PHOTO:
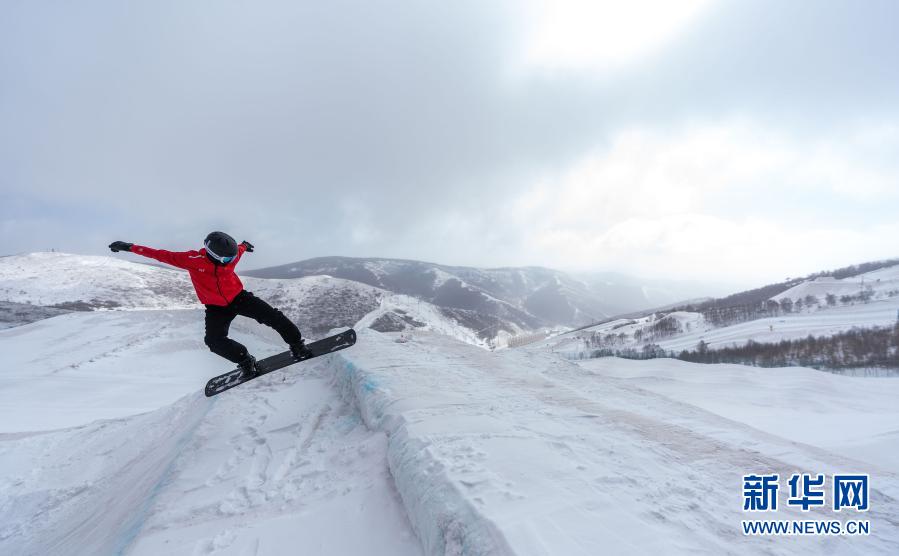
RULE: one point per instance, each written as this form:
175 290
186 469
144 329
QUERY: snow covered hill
869 299
528 297
500 293
87 282
880 283
399 313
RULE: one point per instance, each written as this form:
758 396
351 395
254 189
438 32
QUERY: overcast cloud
722 140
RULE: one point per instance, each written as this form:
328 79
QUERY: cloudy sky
733 141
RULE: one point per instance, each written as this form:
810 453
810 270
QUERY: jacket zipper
215 272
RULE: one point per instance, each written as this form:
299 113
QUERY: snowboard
236 377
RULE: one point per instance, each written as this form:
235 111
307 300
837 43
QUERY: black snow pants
218 321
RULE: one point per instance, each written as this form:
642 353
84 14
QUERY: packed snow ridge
520 452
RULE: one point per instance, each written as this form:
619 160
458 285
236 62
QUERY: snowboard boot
248 366
300 351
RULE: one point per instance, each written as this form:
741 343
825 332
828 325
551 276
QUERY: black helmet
220 247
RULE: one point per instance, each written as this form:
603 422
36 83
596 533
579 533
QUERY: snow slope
61 278
519 452
880 281
825 321
852 417
76 368
430 317
109 447
818 320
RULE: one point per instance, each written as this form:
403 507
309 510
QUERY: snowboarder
218 287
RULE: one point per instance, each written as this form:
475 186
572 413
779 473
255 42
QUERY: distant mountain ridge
530 297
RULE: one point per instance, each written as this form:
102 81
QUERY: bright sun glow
666 199
602 34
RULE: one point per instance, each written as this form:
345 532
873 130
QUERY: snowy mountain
529 297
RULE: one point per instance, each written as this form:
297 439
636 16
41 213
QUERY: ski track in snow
239 482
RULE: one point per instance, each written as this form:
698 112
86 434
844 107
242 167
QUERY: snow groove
443 517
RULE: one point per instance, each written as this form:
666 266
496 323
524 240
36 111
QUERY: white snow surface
854 417
428 314
520 452
109 447
825 321
413 443
53 278
820 320
880 281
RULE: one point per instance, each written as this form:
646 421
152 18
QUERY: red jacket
215 284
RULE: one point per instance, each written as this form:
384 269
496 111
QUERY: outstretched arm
174 258
243 247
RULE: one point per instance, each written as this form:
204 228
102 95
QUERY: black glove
248 245
117 246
